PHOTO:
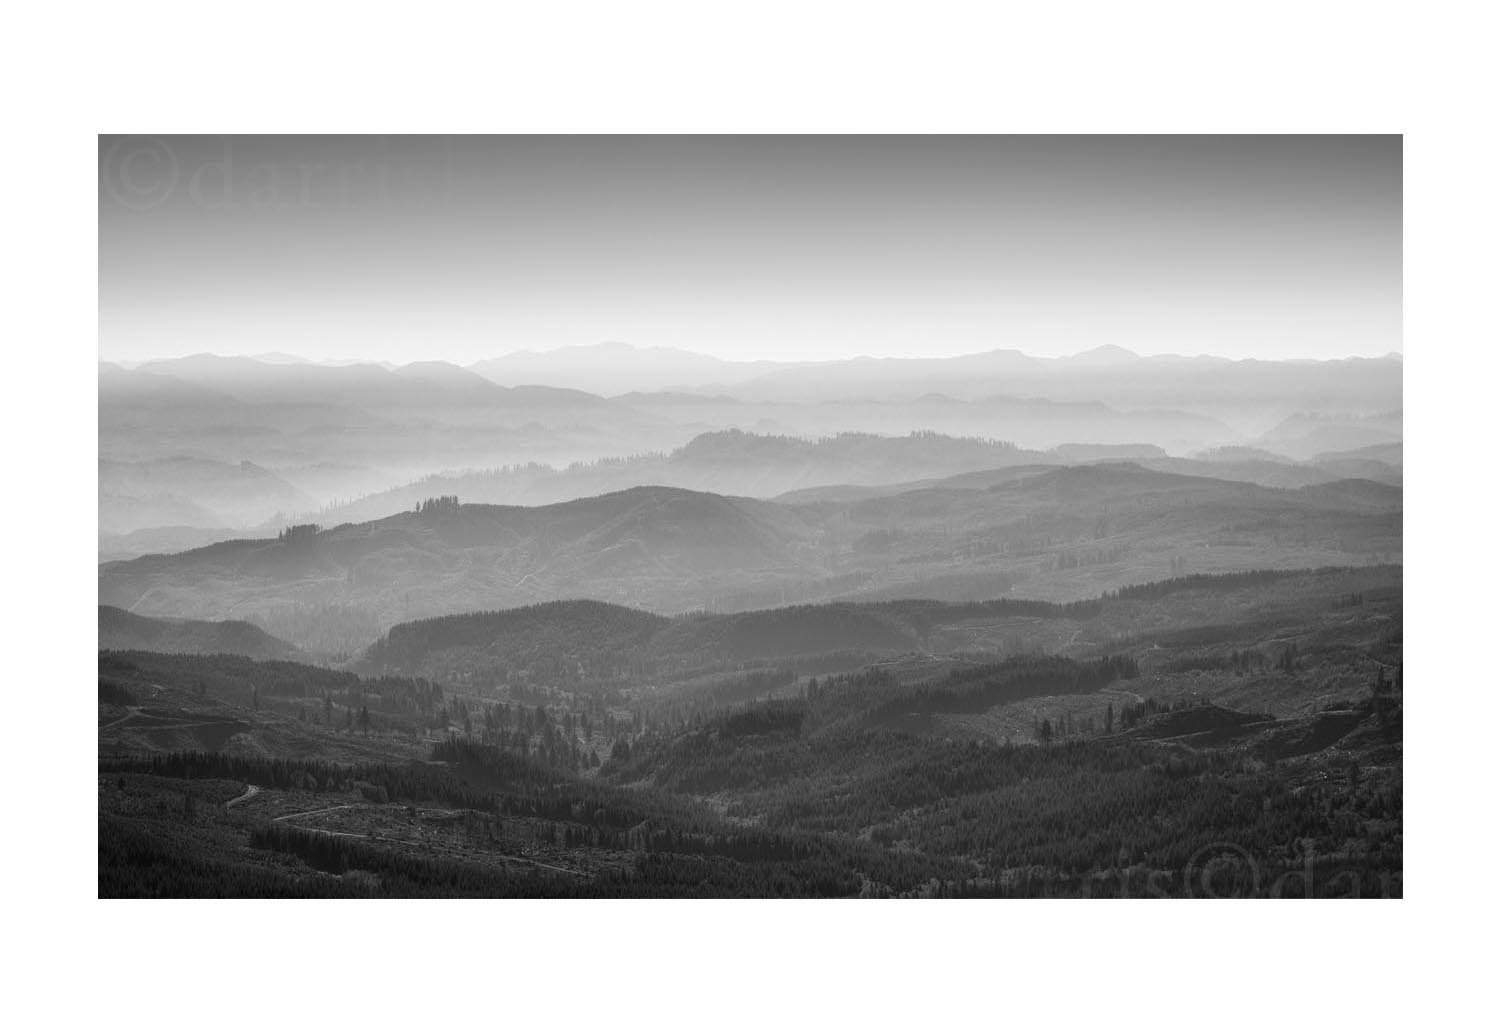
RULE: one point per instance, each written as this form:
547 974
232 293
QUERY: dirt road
134 712
250 791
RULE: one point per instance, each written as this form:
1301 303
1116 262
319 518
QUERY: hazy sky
789 248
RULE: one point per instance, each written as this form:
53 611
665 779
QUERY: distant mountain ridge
1242 394
616 367
613 368
1219 387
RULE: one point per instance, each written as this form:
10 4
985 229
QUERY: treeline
298 532
113 694
438 504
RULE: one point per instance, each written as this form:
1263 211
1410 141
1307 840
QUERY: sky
749 248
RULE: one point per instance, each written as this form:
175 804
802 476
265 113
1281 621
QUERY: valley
912 747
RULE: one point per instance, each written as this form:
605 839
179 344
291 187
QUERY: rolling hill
657 545
122 630
585 645
1049 533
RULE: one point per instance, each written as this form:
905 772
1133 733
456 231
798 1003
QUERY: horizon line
335 362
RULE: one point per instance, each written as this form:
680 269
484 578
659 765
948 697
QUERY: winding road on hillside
321 810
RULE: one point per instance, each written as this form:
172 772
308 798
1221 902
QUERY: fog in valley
751 517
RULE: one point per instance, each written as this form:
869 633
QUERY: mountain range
613 368
210 443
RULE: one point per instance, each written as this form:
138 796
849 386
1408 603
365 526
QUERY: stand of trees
298 532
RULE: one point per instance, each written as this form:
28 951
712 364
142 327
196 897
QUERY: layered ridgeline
730 462
210 442
173 434
1056 533
735 462
1210 384
201 502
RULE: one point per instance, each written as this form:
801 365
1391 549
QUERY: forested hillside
222 776
120 629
